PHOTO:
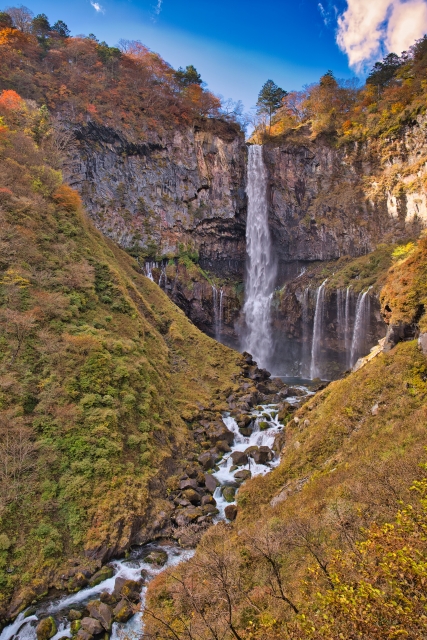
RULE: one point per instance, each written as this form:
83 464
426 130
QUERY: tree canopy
188 76
270 99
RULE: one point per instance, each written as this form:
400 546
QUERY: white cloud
369 29
98 8
158 7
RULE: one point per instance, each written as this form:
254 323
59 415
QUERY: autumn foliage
67 198
9 99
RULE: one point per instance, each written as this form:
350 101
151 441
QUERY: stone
279 442
108 598
103 574
75 626
188 483
422 343
239 458
186 516
77 582
222 446
46 628
208 499
211 482
127 588
157 557
218 431
83 635
263 455
245 431
123 611
228 493
102 612
206 460
91 625
251 450
73 614
192 496
375 409
209 509
230 511
242 475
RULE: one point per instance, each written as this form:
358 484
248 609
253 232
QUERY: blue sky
237 45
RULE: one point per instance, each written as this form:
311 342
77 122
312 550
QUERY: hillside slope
99 372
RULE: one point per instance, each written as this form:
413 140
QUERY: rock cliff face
187 189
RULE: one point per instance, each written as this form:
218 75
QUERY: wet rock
83 635
230 511
211 482
91 625
103 574
251 450
127 588
73 614
46 628
222 446
208 499
108 598
186 516
228 493
217 432
242 475
192 496
263 455
77 582
279 442
157 557
102 612
123 611
209 509
75 626
239 458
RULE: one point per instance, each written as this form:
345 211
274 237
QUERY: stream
266 427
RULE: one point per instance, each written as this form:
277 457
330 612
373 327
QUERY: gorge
213 375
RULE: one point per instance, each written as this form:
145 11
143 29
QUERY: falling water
305 354
261 266
317 332
361 325
217 304
347 342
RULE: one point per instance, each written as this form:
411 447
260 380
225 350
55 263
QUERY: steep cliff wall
185 188
329 200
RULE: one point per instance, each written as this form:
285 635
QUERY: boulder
245 431
230 511
46 628
83 635
77 582
208 499
218 431
91 625
75 626
188 483
222 446
263 455
158 556
73 614
229 493
127 588
207 460
251 450
108 598
123 611
186 516
103 574
192 496
211 482
209 509
241 476
239 458
279 442
102 612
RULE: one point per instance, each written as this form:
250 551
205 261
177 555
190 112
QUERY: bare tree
22 17
17 459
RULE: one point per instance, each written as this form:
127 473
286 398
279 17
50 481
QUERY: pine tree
270 99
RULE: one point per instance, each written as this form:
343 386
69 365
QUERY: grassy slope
98 373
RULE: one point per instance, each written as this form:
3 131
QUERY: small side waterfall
361 324
306 346
316 344
217 303
347 342
260 265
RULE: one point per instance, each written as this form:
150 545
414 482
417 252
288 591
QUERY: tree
61 29
383 72
270 99
40 26
188 76
5 20
22 17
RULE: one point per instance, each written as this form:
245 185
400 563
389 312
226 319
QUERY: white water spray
261 266
361 325
317 332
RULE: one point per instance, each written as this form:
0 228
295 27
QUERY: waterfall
163 277
347 343
217 304
305 353
317 332
260 264
361 326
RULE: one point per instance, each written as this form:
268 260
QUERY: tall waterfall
306 346
316 344
260 264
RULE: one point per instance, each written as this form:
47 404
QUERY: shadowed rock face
184 189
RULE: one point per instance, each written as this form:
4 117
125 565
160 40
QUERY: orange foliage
9 99
67 198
